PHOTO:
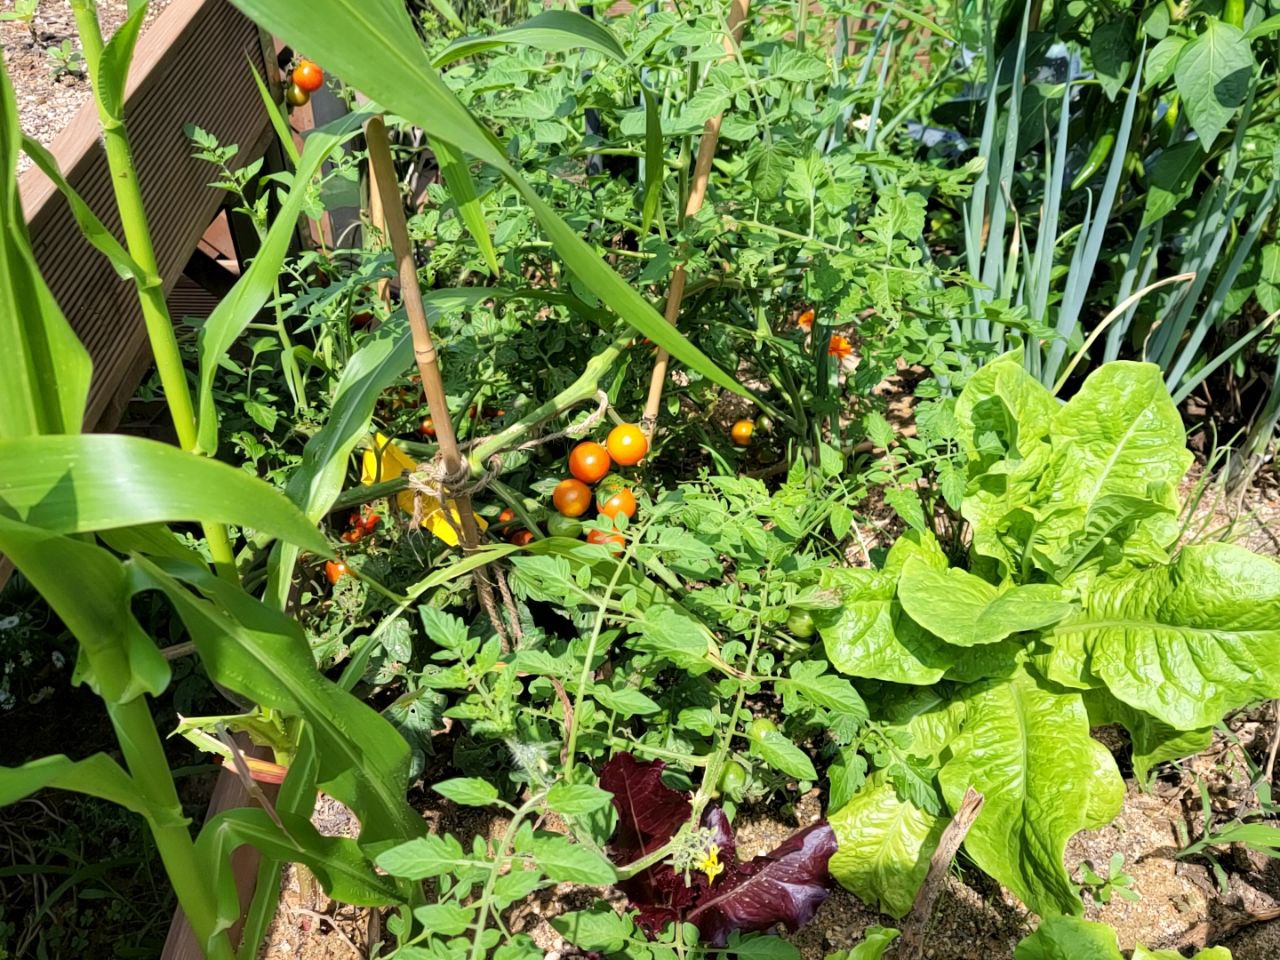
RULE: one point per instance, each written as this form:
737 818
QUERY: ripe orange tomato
572 497
427 428
616 541
308 76
369 522
589 462
335 570
741 432
623 501
627 444
521 538
353 535
506 515
295 96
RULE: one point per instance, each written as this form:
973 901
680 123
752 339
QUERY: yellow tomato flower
711 864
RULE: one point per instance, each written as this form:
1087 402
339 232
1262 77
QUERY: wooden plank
208 39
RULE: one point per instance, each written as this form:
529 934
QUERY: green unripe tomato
760 726
800 624
764 423
296 96
559 525
733 779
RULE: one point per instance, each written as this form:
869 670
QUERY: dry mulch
46 104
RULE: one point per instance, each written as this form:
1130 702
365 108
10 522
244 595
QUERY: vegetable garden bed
729 492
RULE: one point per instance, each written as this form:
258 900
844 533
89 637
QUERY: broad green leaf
44 369
1268 289
94 230
444 919
1213 74
1111 46
1185 643
1027 750
1153 742
373 45
997 506
627 701
599 928
254 288
468 791
1005 404
1112 515
875 941
784 756
79 484
966 610
118 660
575 799
870 635
1172 177
422 857
564 861
462 188
1069 938
262 654
344 872
1121 434
884 846
96 775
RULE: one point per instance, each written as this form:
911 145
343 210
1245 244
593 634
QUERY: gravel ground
46 103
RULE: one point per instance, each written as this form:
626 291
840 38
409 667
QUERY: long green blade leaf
80 484
458 181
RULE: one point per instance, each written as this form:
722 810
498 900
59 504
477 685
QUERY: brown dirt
46 104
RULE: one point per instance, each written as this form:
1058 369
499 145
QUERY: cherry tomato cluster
589 464
304 80
517 535
360 525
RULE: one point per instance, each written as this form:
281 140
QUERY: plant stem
486 896
144 756
137 235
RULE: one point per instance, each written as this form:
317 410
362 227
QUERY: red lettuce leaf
784 886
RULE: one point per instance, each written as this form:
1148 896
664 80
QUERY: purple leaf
785 886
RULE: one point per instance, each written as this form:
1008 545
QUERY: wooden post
697 194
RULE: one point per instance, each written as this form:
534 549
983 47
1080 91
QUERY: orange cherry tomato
616 540
427 428
335 570
369 522
308 76
805 320
521 538
839 346
353 535
506 515
627 444
572 497
741 432
624 501
589 462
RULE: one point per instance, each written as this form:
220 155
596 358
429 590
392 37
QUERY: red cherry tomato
335 570
307 76
522 538
616 541
623 501
589 462
506 515
627 444
572 497
427 428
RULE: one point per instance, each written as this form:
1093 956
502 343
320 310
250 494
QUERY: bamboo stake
378 221
697 194
382 173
